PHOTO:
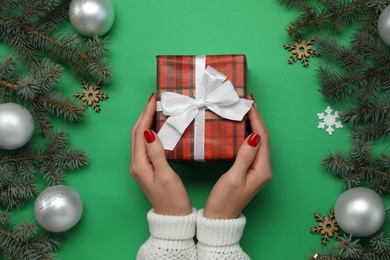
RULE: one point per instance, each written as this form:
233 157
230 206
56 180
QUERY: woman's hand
149 167
248 175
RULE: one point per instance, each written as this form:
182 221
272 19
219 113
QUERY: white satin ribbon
215 93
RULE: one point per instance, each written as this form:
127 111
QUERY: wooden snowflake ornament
327 226
91 95
301 50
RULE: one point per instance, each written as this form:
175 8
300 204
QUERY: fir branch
53 142
17 182
372 132
359 167
71 41
292 3
338 163
379 243
42 118
336 85
8 67
350 249
346 11
51 174
23 241
53 20
50 155
28 87
96 47
65 107
365 96
345 83
368 21
24 232
36 89
345 249
14 191
347 57
47 73
36 9
7 5
373 115
29 41
371 48
9 85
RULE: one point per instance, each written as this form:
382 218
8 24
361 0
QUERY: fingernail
149 136
252 98
253 139
151 97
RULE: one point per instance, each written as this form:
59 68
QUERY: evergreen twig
348 249
359 167
22 241
36 90
332 13
29 34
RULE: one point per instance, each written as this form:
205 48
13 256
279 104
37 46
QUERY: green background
279 218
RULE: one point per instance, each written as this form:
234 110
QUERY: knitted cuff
219 232
172 227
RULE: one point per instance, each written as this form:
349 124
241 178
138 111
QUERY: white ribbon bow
219 96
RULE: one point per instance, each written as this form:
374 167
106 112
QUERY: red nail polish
149 136
252 98
151 97
253 139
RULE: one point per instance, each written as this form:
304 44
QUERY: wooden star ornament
301 50
327 226
91 95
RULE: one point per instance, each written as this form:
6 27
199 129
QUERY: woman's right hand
149 167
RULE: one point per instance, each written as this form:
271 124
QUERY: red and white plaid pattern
222 137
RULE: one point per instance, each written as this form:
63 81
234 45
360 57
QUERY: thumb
155 150
246 154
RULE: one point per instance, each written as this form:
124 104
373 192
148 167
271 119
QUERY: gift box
197 91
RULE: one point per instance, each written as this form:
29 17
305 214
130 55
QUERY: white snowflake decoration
329 120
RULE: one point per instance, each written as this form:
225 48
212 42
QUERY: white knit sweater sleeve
171 238
218 239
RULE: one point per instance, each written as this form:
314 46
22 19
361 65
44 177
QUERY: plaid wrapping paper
222 137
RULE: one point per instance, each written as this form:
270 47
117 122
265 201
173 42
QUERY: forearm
219 239
171 237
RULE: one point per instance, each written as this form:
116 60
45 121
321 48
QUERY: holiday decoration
357 75
28 27
360 212
301 50
16 126
327 226
384 25
92 17
58 208
21 167
187 85
91 96
329 120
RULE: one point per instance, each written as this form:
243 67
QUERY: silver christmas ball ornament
58 208
360 212
384 25
91 17
16 126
